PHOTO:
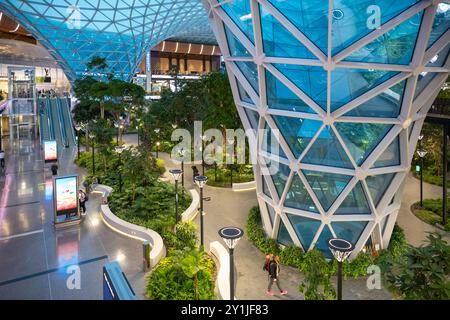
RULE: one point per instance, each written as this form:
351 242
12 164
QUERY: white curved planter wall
223 274
191 212
245 186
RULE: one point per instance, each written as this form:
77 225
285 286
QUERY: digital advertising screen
66 198
50 151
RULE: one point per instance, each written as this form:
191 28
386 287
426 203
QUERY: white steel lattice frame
407 124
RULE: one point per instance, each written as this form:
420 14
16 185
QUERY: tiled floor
34 256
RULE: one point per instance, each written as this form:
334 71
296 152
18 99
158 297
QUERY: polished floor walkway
34 257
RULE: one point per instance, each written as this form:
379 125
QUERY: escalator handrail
50 118
62 125
69 126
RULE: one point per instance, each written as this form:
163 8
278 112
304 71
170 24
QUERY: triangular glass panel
322 242
441 23
239 11
297 132
355 203
243 93
236 48
328 151
424 80
280 177
298 197
253 118
270 142
311 80
266 189
383 225
349 230
378 186
309 16
278 41
385 105
362 138
394 47
250 73
349 84
391 156
271 212
281 97
353 21
305 229
283 237
326 186
439 59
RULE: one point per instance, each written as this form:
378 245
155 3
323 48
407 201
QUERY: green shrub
186 233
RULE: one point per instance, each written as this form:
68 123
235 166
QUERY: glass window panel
385 105
283 235
266 189
391 156
239 11
349 84
281 97
383 225
362 138
305 229
424 80
298 197
441 23
328 151
236 48
378 186
271 213
243 93
280 177
355 203
322 242
440 59
270 143
349 230
297 132
311 80
253 118
250 72
355 19
326 186
395 46
278 41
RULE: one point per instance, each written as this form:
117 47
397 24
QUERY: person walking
2 159
82 198
274 275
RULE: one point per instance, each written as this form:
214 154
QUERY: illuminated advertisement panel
65 193
50 151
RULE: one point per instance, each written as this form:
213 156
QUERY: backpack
266 265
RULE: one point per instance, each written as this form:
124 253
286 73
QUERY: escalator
68 124
44 123
55 119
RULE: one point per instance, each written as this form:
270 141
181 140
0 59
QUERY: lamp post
203 137
422 153
201 182
119 150
92 137
231 236
231 165
341 250
176 174
182 153
116 124
77 129
158 144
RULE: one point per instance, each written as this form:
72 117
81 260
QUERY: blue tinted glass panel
250 72
326 186
349 84
236 48
385 105
395 46
441 23
243 93
253 118
439 59
305 229
349 230
424 80
283 235
328 151
270 143
281 97
362 138
266 189
352 20
280 177
391 156
355 203
278 41
322 242
309 16
298 197
378 186
311 80
271 213
384 224
239 12
297 132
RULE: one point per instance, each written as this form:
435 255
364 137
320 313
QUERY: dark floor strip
21 204
34 275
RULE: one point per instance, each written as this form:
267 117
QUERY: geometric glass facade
121 31
344 88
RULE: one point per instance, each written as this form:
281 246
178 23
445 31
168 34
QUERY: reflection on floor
36 261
